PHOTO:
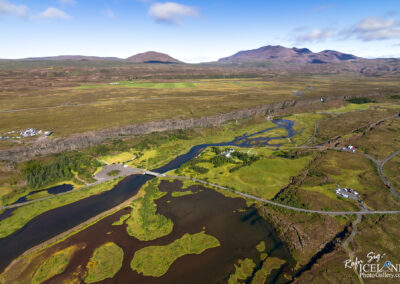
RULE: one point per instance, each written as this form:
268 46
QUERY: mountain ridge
294 55
152 57
145 57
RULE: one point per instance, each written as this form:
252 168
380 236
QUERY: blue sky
195 31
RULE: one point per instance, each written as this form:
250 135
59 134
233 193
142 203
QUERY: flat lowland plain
392 170
76 99
156 260
105 263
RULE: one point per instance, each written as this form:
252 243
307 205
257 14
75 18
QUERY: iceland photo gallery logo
376 265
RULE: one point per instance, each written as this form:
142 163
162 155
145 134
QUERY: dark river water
59 220
52 190
237 227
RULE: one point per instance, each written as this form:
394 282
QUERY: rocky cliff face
87 139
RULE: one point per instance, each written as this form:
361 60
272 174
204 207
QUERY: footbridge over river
150 173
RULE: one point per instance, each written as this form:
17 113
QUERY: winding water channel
59 220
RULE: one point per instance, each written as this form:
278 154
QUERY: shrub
360 101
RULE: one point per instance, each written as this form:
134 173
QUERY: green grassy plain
105 262
270 264
118 158
156 260
49 107
261 246
392 170
158 154
182 193
381 141
333 169
121 220
243 270
342 124
53 265
264 177
144 223
144 85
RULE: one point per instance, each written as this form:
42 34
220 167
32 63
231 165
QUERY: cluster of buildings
227 153
350 148
348 193
29 132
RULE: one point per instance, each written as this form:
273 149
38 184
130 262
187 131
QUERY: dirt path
311 140
380 164
101 177
332 213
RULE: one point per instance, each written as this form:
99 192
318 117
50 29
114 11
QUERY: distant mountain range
289 55
264 55
146 57
71 57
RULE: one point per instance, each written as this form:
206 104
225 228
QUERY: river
59 220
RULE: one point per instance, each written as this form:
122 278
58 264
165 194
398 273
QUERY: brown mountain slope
283 54
152 57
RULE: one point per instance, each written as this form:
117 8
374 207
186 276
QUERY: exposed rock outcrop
88 139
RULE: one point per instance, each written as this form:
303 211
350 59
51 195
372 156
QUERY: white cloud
315 35
374 28
7 8
171 13
53 13
110 14
68 2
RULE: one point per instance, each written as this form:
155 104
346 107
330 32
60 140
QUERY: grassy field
264 177
50 107
24 214
143 85
54 265
330 269
144 223
304 126
270 264
105 262
304 234
378 234
243 270
118 158
348 170
161 149
382 141
10 194
121 220
261 246
182 193
347 108
392 170
156 260
344 123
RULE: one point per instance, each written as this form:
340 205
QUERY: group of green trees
289 197
157 139
218 160
117 145
41 173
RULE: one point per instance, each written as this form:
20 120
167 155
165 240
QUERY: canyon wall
83 140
